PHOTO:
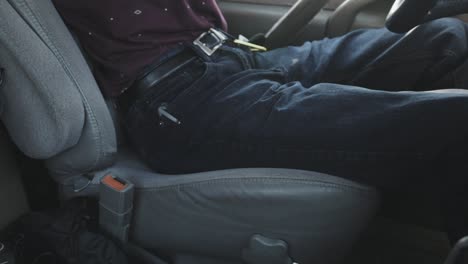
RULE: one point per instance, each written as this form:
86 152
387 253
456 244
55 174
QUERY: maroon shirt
123 36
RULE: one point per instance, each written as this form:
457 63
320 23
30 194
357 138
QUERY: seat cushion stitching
261 180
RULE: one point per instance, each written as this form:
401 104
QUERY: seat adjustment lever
459 253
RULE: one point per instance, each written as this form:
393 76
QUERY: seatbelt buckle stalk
115 206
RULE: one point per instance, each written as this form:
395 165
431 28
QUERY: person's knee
447 24
443 34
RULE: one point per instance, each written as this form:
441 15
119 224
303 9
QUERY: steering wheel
406 14
292 22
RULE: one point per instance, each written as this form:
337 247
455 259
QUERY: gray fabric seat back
52 107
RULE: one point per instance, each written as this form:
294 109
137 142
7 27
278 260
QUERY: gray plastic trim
292 22
264 2
341 21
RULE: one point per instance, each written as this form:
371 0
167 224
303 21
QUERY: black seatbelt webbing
2 81
2 76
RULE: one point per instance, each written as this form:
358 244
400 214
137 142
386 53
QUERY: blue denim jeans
371 106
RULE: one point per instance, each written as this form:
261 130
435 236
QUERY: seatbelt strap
2 81
2 76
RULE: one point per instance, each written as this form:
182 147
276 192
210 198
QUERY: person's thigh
380 138
422 59
255 119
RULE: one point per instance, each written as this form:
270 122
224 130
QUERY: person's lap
355 107
378 59
301 107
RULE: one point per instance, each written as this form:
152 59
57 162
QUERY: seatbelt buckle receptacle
115 206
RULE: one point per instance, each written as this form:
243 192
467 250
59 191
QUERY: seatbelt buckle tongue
210 41
115 206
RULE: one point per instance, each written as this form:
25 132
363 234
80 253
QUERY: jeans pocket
157 106
182 106
170 106
175 84
204 80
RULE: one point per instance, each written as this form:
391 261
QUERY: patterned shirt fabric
123 36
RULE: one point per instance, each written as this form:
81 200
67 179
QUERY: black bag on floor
65 236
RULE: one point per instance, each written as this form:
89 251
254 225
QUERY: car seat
53 111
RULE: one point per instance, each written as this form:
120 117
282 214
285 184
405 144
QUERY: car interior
60 139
